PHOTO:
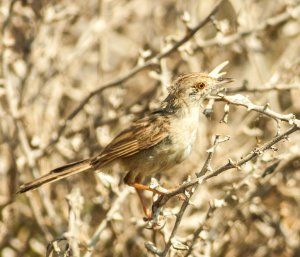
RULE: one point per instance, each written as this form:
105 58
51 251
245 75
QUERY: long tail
57 174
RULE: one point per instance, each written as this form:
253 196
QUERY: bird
152 144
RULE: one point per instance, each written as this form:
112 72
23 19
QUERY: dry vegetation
74 73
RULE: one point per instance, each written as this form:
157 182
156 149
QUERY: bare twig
49 44
13 102
151 62
197 232
185 204
194 183
231 164
270 22
116 205
75 201
206 167
246 89
245 102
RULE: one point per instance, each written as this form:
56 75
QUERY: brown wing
143 134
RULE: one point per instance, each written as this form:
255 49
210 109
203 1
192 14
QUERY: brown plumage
142 135
57 174
152 144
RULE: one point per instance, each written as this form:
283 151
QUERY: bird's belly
162 157
171 151
183 143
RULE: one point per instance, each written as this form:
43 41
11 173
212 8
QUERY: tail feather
57 174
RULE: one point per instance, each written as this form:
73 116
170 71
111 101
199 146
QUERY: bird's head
195 87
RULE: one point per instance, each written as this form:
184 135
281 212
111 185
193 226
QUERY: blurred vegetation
57 56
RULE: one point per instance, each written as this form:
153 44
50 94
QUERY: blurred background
56 56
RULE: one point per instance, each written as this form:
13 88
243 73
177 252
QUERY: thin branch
197 232
75 202
12 84
185 204
273 21
195 182
115 207
256 152
230 165
151 62
241 100
206 166
246 89
179 216
270 22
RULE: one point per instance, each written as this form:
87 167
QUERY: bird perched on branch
152 144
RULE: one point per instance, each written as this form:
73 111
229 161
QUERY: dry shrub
57 58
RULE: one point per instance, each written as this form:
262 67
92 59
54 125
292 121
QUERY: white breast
171 152
184 130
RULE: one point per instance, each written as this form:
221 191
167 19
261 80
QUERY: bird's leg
132 181
139 186
147 211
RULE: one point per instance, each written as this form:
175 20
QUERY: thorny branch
245 102
114 208
237 100
197 232
13 101
245 88
153 61
188 195
15 230
195 182
270 22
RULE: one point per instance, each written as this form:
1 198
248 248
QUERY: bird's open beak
224 80
220 82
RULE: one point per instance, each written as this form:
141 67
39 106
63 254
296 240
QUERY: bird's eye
200 85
